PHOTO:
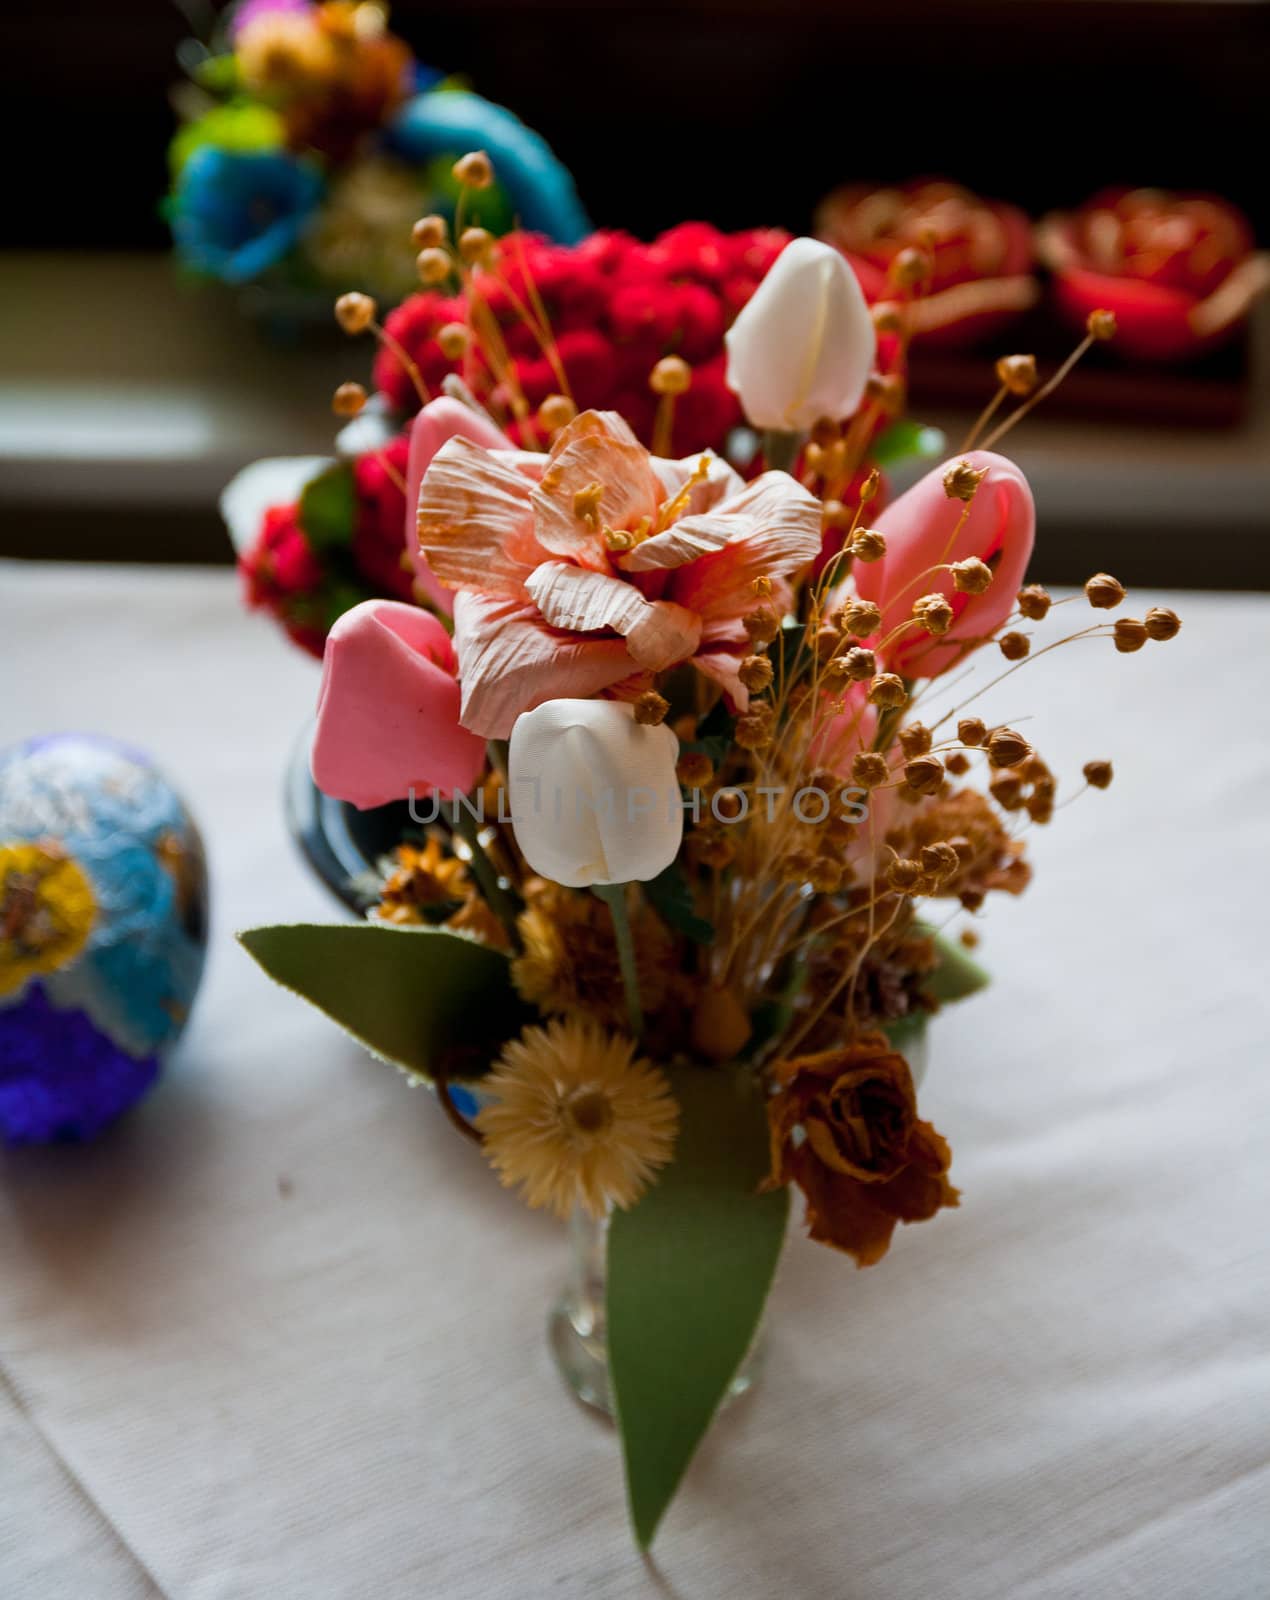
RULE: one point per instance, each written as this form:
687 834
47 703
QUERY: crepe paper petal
475 520
426 1000
657 633
689 1271
596 451
439 421
510 661
774 516
388 710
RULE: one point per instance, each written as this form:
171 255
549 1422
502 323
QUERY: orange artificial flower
864 1160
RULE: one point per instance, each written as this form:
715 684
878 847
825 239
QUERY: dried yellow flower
348 400
1130 634
1014 646
962 480
672 375
924 774
869 769
577 1120
1006 748
355 312
1162 623
755 672
474 170
887 690
972 730
934 613
651 709
915 739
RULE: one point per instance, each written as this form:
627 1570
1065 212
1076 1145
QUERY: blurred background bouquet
310 138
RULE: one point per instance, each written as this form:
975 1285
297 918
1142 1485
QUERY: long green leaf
689 1269
423 998
957 974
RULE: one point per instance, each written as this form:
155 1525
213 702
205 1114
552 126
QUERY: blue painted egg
103 932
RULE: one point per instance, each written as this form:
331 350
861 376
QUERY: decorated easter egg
103 931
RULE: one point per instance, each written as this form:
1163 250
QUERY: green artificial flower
243 127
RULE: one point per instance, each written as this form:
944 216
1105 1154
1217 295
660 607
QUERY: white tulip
594 795
804 346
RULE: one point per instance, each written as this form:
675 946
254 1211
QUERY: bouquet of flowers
315 537
675 922
310 139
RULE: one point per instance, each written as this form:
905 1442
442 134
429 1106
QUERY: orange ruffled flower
844 1127
614 565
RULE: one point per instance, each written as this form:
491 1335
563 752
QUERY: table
279 1334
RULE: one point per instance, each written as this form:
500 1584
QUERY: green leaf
689 1269
905 439
328 507
670 896
904 1032
957 974
423 998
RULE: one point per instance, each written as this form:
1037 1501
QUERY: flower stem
499 900
614 896
780 450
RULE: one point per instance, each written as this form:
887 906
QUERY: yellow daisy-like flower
46 912
578 1120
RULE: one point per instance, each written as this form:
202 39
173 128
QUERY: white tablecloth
280 1334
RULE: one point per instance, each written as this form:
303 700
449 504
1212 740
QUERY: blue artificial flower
235 214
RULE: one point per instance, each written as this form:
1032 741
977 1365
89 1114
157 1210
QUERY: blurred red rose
1178 270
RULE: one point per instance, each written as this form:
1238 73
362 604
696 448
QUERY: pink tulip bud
388 710
924 534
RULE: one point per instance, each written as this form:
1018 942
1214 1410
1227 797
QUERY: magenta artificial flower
388 710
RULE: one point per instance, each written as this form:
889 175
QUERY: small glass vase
576 1326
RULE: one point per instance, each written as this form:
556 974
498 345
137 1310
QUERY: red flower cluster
615 307
306 587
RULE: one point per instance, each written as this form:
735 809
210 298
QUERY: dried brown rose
866 1161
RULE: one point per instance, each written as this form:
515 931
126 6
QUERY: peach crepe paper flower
615 566
388 709
921 532
439 421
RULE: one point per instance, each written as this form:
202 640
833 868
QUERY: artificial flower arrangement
1178 271
315 537
670 936
310 138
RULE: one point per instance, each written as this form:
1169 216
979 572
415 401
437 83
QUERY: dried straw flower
1130 634
761 626
355 312
672 375
868 545
860 618
1101 325
474 170
915 739
971 576
348 400
429 232
860 663
1017 374
972 730
1162 623
869 769
755 672
962 480
1006 748
924 774
1034 602
651 709
1103 591
887 689
569 961
934 613
557 411
577 1121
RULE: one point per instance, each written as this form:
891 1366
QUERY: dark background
741 111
